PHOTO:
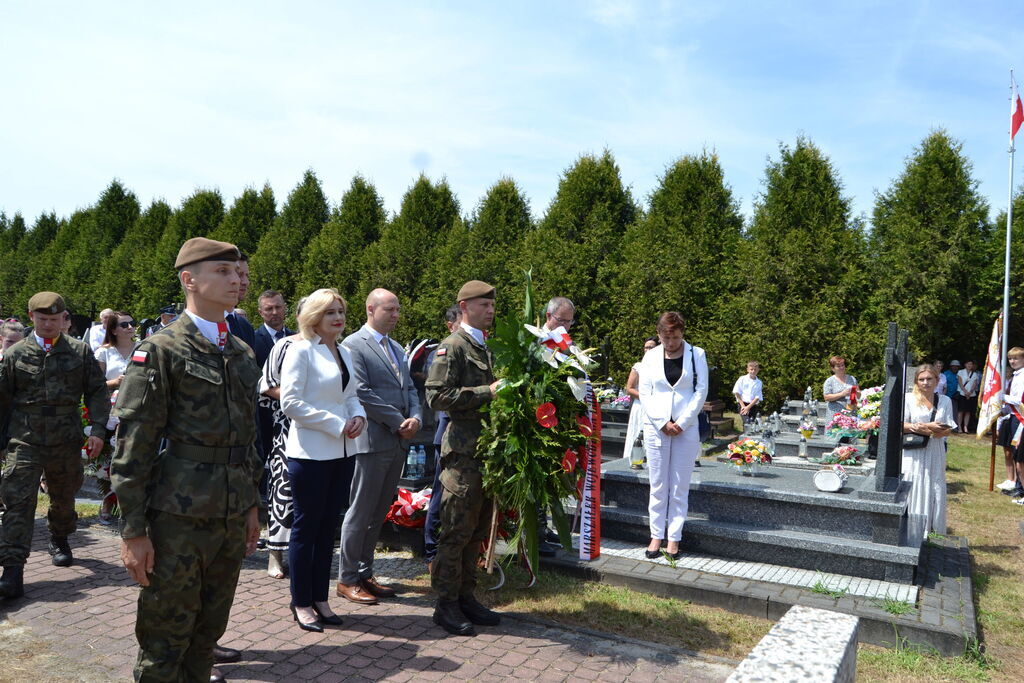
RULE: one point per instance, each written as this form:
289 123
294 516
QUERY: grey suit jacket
387 398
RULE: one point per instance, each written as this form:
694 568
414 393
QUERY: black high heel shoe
332 620
315 627
652 554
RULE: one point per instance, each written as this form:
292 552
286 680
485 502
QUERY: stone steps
751 542
777 517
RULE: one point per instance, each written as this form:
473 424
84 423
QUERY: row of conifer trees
799 281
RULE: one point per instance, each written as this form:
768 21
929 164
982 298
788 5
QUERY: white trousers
670 461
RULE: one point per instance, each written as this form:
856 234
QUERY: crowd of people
218 425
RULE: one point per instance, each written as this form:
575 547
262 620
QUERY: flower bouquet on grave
748 454
843 423
622 402
840 455
533 428
870 410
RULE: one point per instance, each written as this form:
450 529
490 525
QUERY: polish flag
990 398
1016 110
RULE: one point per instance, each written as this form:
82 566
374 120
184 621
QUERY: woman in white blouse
318 394
635 427
673 388
925 467
116 349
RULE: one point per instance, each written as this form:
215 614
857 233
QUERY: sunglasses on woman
126 325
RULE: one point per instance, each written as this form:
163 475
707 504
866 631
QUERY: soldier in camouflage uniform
190 512
42 380
461 380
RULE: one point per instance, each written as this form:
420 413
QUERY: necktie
222 335
387 352
279 334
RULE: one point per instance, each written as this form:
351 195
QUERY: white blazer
312 396
662 401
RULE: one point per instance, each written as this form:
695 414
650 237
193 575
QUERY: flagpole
1006 265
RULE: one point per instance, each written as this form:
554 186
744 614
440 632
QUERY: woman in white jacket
673 388
318 394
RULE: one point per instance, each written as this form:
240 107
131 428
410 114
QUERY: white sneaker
1006 485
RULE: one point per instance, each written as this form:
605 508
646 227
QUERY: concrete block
806 644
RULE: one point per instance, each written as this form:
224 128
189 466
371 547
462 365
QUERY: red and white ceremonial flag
1016 109
991 396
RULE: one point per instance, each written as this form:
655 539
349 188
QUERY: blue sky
169 97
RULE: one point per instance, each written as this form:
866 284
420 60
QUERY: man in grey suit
392 406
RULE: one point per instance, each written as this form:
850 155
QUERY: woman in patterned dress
279 503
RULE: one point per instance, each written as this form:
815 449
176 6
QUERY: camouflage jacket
181 387
40 392
459 383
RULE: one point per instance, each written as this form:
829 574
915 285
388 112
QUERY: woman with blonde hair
928 413
318 394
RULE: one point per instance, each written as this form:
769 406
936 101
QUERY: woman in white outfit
635 426
926 467
673 387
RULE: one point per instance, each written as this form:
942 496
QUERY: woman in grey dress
837 387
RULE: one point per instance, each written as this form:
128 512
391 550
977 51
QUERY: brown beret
202 249
47 302
475 289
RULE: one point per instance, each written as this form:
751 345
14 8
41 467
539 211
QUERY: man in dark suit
239 326
272 309
388 395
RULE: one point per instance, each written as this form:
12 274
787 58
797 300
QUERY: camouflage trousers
465 523
19 489
185 608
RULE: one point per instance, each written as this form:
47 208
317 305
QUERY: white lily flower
579 389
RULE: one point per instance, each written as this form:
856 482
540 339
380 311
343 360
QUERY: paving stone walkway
87 614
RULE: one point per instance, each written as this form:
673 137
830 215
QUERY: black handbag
703 421
912 441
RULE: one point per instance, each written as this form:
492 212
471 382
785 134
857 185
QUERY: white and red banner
990 398
1016 109
590 485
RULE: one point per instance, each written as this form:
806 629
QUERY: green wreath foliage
522 459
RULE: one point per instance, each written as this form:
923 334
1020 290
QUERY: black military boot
12 584
477 613
60 551
448 616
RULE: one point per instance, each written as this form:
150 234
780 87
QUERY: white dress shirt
748 388
477 335
206 328
97 333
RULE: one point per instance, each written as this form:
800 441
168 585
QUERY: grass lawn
988 520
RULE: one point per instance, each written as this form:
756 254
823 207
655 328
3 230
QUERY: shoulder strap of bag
935 406
693 366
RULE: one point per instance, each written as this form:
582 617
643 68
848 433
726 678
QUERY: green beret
47 302
202 249
475 289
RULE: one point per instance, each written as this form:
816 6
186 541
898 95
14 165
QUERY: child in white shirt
748 392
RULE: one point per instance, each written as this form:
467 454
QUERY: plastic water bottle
421 461
410 463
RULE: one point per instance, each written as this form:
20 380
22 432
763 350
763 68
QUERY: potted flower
748 454
840 455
